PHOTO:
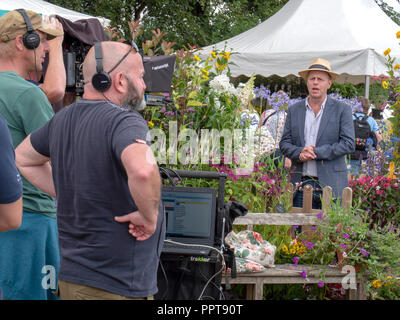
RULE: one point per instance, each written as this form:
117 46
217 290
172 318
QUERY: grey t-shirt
85 141
10 180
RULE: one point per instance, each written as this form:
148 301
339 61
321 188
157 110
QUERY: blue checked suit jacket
335 139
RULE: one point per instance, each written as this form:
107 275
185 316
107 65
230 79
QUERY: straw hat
319 65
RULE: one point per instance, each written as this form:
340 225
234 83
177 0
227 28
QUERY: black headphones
31 38
101 81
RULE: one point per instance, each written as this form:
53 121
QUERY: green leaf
195 103
192 95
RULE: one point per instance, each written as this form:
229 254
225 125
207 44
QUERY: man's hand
139 227
307 154
55 24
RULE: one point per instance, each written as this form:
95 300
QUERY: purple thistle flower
321 284
320 215
295 260
313 228
304 274
346 235
343 245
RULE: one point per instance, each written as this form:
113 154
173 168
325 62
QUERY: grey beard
134 104
140 105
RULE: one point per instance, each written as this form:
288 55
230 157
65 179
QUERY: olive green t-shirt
25 108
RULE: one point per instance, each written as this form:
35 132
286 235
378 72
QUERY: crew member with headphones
29 255
52 80
108 186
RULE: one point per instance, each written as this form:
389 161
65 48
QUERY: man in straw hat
29 255
318 134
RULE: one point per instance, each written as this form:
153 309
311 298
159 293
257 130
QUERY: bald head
127 85
112 52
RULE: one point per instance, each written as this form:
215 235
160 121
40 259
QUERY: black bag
362 131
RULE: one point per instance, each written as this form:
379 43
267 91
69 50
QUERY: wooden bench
285 274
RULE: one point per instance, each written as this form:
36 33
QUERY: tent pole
367 86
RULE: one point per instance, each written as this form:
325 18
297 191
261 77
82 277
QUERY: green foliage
392 85
346 90
378 198
186 22
345 237
377 95
294 292
392 14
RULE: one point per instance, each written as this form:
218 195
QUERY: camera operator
54 78
25 251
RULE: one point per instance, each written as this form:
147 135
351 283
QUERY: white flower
221 84
246 92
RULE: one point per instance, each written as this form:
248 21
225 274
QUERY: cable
202 246
221 293
167 172
34 54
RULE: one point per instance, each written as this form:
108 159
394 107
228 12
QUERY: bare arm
145 186
34 167
11 215
55 79
378 136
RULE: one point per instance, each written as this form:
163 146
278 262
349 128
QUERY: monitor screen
190 212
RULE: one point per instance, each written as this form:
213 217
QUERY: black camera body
159 71
79 36
73 61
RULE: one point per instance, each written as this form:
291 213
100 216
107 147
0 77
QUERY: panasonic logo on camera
162 66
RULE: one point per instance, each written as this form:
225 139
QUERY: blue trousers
316 195
29 259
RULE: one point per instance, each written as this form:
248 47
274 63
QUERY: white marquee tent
47 9
351 34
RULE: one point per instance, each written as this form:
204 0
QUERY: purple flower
313 228
343 245
304 274
309 245
365 253
321 284
295 260
320 215
346 235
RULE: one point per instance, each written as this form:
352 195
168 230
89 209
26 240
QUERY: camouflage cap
12 24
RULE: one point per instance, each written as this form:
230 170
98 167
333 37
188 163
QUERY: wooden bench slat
290 219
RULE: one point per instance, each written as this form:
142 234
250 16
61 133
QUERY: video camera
79 37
